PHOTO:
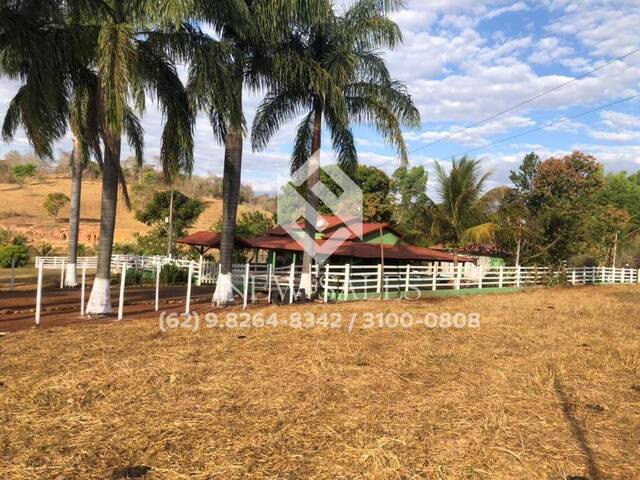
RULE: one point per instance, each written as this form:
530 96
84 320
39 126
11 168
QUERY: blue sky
464 60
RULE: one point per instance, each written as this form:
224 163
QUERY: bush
23 171
136 277
19 252
54 202
173 275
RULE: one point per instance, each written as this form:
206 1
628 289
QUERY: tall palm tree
220 97
461 216
130 47
332 72
37 56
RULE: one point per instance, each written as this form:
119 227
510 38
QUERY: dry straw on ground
546 388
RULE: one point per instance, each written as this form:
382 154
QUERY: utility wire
524 102
537 129
550 124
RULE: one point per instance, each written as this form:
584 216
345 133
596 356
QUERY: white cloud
515 7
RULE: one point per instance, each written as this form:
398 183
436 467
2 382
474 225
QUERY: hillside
21 211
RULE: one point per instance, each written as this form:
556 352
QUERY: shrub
8 252
173 275
23 171
54 203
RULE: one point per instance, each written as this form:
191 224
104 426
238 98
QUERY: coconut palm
220 97
462 215
332 72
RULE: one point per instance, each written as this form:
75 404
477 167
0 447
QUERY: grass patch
547 388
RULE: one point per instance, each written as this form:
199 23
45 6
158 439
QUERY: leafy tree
251 224
523 178
19 252
23 171
54 202
155 212
333 72
409 186
376 189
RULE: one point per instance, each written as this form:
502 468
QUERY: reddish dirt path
62 307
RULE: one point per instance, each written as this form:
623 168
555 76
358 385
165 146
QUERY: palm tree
220 97
462 215
39 111
332 72
131 48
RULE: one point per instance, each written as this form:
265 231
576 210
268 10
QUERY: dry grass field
21 211
548 387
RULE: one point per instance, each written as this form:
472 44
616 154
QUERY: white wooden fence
263 282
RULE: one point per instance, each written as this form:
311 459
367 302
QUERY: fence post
292 275
601 274
380 280
638 275
573 277
187 306
84 277
158 270
407 278
123 276
62 276
501 277
200 266
347 279
458 277
326 283
269 267
39 294
245 286
480 276
434 277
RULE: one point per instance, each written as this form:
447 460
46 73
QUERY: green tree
22 172
332 71
155 213
54 202
18 253
409 186
251 224
461 215
522 179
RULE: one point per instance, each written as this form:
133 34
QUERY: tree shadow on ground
575 426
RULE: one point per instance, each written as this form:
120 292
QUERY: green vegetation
54 202
23 171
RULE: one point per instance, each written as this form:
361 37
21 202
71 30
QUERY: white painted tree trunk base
306 284
224 290
100 299
70 275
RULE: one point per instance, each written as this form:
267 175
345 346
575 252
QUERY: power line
524 102
549 124
537 129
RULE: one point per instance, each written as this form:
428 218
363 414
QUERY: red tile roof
208 239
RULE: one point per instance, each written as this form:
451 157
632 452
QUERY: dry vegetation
547 388
22 212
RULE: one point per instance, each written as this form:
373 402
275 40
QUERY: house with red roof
373 243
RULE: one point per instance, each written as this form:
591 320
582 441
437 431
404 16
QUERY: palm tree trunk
71 279
231 182
310 224
100 299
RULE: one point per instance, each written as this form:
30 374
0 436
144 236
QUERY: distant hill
21 211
